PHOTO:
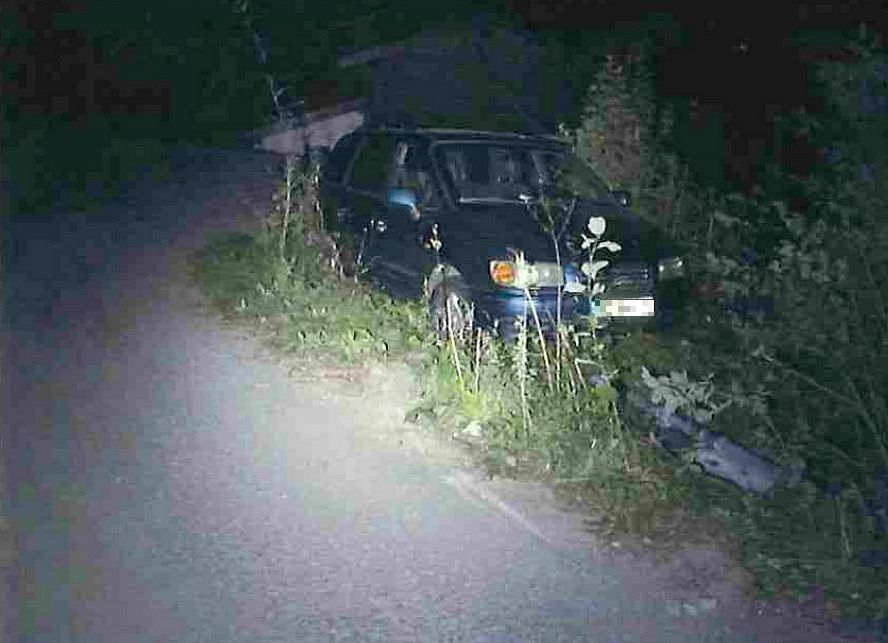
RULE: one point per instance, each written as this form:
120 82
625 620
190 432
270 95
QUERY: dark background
93 88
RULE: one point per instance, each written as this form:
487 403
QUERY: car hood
478 233
497 230
502 226
641 239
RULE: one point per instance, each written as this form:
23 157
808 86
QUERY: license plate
624 307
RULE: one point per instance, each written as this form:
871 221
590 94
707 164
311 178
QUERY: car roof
455 134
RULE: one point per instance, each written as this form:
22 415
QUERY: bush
624 134
802 378
824 348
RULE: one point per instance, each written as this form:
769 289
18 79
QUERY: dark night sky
190 64
86 51
718 52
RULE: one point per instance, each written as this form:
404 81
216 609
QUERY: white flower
597 225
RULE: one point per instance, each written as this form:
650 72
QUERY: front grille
628 278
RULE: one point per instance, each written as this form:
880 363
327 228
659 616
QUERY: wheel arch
445 274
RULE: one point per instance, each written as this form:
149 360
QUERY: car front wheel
451 313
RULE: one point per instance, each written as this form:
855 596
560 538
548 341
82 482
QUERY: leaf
591 269
805 269
702 416
613 246
597 225
646 375
725 219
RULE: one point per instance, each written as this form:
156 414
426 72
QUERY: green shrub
624 134
806 383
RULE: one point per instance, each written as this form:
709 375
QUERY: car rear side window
484 172
371 168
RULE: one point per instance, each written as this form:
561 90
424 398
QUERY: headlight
513 274
671 268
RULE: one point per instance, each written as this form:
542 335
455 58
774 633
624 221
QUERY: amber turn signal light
503 272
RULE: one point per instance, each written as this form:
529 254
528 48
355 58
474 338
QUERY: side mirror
404 197
622 197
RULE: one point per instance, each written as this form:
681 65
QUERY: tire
453 299
351 248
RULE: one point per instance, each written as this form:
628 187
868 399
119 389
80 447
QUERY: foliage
802 375
823 350
678 394
545 404
799 538
287 280
616 126
110 88
624 134
788 354
76 167
245 278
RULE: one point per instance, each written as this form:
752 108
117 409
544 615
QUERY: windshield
497 172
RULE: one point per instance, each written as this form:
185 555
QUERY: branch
820 387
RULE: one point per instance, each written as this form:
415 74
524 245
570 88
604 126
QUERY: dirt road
169 481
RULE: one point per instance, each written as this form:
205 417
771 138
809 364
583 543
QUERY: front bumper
504 307
658 309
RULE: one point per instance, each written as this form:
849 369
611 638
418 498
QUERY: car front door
393 250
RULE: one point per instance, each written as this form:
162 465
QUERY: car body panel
473 231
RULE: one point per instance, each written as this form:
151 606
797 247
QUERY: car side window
412 169
466 167
371 167
506 167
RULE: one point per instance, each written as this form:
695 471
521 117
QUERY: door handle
429 238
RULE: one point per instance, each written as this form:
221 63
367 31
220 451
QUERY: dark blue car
443 214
